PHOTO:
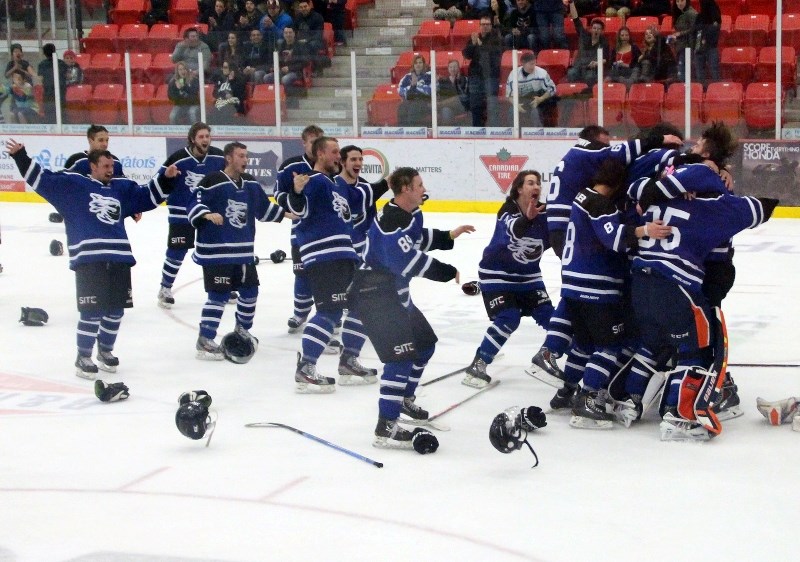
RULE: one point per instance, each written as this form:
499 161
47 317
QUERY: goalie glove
113 392
778 412
200 396
33 316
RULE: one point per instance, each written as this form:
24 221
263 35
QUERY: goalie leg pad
698 391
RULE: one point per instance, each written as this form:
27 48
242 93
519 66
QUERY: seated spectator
450 10
256 58
624 60
45 72
683 18
452 94
74 71
657 61
17 63
220 21
335 15
23 104
415 89
656 8
292 59
230 50
188 49
308 27
537 94
275 21
249 19
621 8
584 68
229 96
184 93
519 27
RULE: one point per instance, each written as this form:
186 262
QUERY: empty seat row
135 37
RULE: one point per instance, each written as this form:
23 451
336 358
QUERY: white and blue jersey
79 163
594 265
285 183
362 197
511 260
240 204
323 231
192 172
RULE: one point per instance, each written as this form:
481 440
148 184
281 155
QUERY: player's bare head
520 180
717 143
611 174
326 154
231 147
402 177
595 133
101 164
98 137
309 135
197 128
661 130
235 157
352 157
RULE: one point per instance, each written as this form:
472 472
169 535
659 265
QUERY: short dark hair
188 30
526 57
611 173
231 146
402 177
15 46
597 20
319 144
516 185
592 132
95 155
92 131
348 149
311 130
196 128
720 142
48 49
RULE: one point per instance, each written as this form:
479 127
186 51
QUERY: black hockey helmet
237 348
509 431
192 419
471 288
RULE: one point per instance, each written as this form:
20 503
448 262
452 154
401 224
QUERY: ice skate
544 368
589 411
309 381
412 411
564 398
628 411
106 361
295 323
86 369
476 375
353 373
390 435
334 347
245 333
165 298
208 350
728 406
675 428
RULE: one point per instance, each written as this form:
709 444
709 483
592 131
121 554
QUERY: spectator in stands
275 21
584 69
74 74
292 59
550 23
478 8
159 13
588 8
183 91
657 61
220 21
683 17
450 10
452 94
484 51
256 57
19 63
45 72
23 103
706 43
335 15
188 49
624 59
621 8
537 94
308 26
249 19
415 89
519 27
230 91
230 50
656 8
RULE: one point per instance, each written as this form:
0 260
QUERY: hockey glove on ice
33 316
113 392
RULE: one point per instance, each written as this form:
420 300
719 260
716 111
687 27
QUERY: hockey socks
353 337
317 333
212 314
172 264
503 325
246 306
393 389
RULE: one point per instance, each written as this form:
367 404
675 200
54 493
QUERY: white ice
84 480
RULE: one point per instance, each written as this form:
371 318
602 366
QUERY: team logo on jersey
503 167
236 213
526 250
192 179
341 207
107 209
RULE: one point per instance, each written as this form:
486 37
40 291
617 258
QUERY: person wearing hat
274 22
74 71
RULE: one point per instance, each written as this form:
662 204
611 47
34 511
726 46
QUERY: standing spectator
188 49
231 50
229 96
292 60
415 89
452 94
248 19
706 44
95 209
335 15
657 61
224 212
519 27
656 8
584 69
24 108
537 94
184 93
220 21
45 72
550 21
74 73
621 8
275 21
484 52
308 26
624 60
256 57
683 17
159 12
19 63
450 10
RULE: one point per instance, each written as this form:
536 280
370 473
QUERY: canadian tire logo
504 167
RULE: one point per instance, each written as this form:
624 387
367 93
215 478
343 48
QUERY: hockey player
329 260
195 160
100 254
224 210
400 333
97 136
509 271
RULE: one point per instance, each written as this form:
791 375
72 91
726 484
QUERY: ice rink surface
89 481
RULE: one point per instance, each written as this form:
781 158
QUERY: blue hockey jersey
192 172
362 197
79 163
240 206
285 183
510 262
